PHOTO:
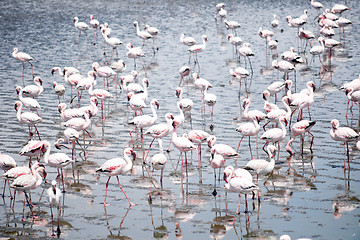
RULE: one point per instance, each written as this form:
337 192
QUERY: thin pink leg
131 204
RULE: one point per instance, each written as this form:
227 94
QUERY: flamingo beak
147 83
244 105
133 154
40 81
225 178
157 105
264 97
16 106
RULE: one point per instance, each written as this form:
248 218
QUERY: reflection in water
120 226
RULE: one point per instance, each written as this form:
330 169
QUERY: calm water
308 196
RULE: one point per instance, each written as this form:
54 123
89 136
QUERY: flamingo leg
250 149
131 204
107 185
237 150
145 159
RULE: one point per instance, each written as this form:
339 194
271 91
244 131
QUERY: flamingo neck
19 111
153 110
288 109
129 163
47 153
282 126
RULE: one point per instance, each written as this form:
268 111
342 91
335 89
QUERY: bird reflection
161 231
121 223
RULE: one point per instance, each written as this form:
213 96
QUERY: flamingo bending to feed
54 195
298 129
184 71
343 134
82 27
187 41
34 90
6 163
59 90
23 58
261 166
197 137
183 144
275 135
249 129
145 120
28 182
29 118
115 167
225 150
57 160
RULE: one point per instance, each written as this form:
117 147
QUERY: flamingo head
265 95
76 19
95 65
17 104
275 64
288 19
155 102
271 150
284 120
204 37
312 84
135 24
129 95
246 102
211 140
287 84
175 124
38 79
58 142
178 91
348 90
61 107
335 124
288 149
134 73
146 81
230 36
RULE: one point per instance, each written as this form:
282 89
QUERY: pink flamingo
33 149
183 144
298 129
233 25
102 95
268 107
28 103
252 114
29 118
115 167
82 27
28 182
135 53
274 115
317 51
197 137
217 163
144 35
248 129
57 160
79 123
261 166
304 100
23 58
34 90
85 83
353 96
275 88
285 67
343 134
59 90
275 135
91 109
67 114
94 23
6 163
136 102
159 160
154 32
187 41
195 49
71 137
210 100
113 42
184 71
225 150
104 72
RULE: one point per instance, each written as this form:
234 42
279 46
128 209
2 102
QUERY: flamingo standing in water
217 163
298 129
261 166
115 167
94 23
102 95
317 51
159 160
54 195
195 49
154 32
113 42
79 123
105 72
33 149
210 100
183 144
6 163
249 129
233 25
144 35
134 53
71 137
353 96
197 137
34 91
59 90
184 71
225 150
23 57
82 27
187 41
275 135
252 114
28 103
185 103
285 67
28 182
29 118
145 120
343 134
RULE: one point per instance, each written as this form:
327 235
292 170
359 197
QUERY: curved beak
133 154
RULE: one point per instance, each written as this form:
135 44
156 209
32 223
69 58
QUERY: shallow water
308 195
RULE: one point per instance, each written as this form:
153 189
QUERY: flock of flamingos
287 121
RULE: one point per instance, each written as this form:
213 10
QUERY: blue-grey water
308 195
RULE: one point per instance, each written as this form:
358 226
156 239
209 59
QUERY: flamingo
33 149
57 160
327 31
144 35
118 66
339 8
197 137
29 103
82 27
298 129
272 45
275 88
225 150
235 41
72 80
195 49
183 144
79 123
329 15
125 79
291 56
23 57
136 102
268 107
134 53
343 134
239 72
91 109
233 25
28 182
252 114
210 100
354 84
317 5
71 137
248 129
107 31
154 32
160 130
54 195
59 90
115 167
275 135
113 42
34 90
264 33
285 67
29 118
145 120
304 100
261 166
104 72
331 43
185 103
241 186
181 117
274 115
275 22
85 83
184 71
159 160
317 51
230 172
353 96
307 35
187 41
6 163
102 95
137 88
67 114
217 163
219 6
222 13
94 23
246 52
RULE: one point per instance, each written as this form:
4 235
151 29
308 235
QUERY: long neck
256 123
128 161
161 149
137 29
181 95
90 90
47 153
181 112
282 126
288 109
311 91
246 110
203 43
19 111
20 95
153 110
145 89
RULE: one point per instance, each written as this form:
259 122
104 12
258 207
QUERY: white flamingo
82 27
23 58
29 118
34 90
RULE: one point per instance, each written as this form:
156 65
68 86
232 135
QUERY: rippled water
307 196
